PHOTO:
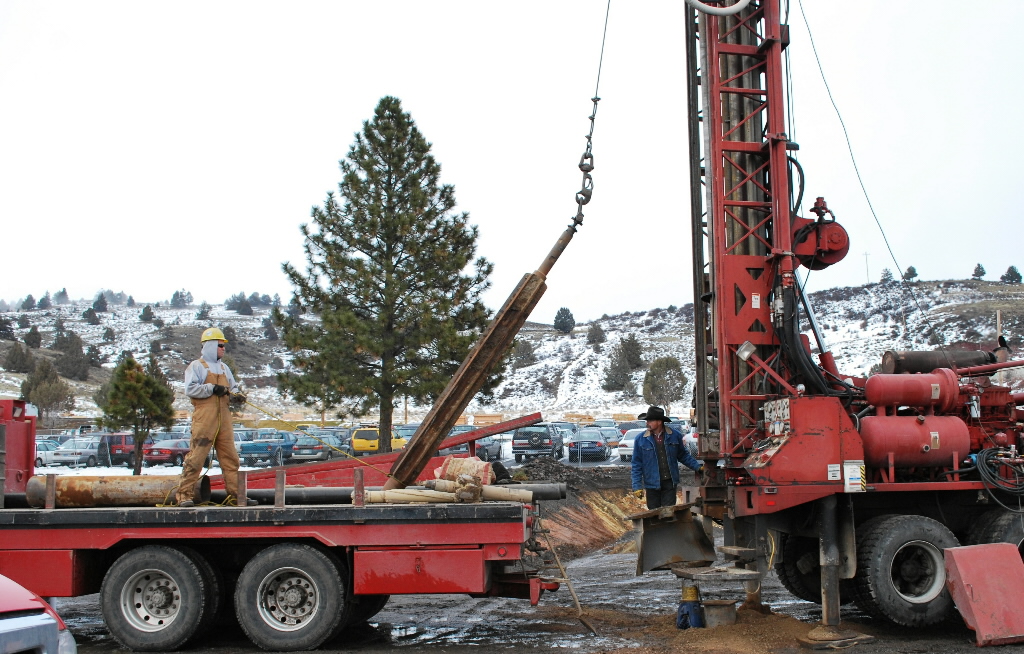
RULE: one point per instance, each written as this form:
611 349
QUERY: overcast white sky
148 147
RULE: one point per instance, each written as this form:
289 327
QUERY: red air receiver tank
938 388
915 441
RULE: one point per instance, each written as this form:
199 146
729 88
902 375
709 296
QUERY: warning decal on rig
853 471
835 472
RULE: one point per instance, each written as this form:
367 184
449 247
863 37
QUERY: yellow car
366 440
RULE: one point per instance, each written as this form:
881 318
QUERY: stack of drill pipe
120 490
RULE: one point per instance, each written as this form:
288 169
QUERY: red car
29 624
172 452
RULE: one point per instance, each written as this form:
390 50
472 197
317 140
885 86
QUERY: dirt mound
576 478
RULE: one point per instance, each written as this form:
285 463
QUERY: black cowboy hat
654 413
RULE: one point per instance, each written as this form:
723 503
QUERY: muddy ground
629 613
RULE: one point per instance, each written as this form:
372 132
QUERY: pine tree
979 272
911 274
276 301
887 277
44 302
90 316
1011 276
29 303
95 358
233 341
19 359
523 354
44 388
108 335
7 329
23 321
385 274
73 364
595 334
147 314
177 301
137 400
4 307
617 377
664 382
204 311
33 338
564 322
61 296
633 352
244 308
131 302
100 303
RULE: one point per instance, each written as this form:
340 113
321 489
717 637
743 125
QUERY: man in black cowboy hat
657 454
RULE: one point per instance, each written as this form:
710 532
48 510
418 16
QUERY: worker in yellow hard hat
208 383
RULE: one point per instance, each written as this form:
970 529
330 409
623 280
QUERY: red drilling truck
295 575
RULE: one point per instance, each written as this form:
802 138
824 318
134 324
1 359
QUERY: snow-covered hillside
858 324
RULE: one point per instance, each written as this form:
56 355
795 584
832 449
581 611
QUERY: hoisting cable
990 462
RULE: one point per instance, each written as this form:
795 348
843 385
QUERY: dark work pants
659 497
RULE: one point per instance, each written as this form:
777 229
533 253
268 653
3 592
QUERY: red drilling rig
850 487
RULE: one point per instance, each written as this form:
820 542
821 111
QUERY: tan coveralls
211 427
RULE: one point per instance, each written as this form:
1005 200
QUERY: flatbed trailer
294 575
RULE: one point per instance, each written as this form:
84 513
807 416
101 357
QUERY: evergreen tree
254 300
244 308
235 301
108 335
177 301
61 296
44 302
664 382
276 301
66 341
266 300
23 321
564 322
269 332
911 274
100 303
887 277
73 364
1011 276
95 358
4 307
147 314
979 272
234 342
595 334
137 400
617 377
90 316
29 303
7 329
523 354
33 338
47 391
385 274
633 352
130 302
204 311
19 359
58 328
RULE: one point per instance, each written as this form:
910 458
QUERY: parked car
488 448
542 439
612 435
570 427
605 422
119 448
366 440
44 453
29 624
271 448
172 452
78 451
318 445
626 443
406 432
589 443
631 424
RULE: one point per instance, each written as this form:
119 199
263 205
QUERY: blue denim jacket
645 459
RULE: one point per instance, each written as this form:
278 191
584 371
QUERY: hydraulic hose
718 11
812 377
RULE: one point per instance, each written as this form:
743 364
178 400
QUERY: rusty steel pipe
979 371
896 362
80 492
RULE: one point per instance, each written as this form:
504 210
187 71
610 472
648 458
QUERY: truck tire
900 570
291 597
1002 527
153 598
213 582
39 463
179 460
798 567
90 462
365 607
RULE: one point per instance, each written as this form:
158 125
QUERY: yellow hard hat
213 334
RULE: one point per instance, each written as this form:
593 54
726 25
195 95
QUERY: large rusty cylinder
939 389
914 441
127 490
895 362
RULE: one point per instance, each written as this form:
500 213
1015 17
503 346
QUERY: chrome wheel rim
288 599
917 572
150 600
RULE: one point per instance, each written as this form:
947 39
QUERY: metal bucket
719 612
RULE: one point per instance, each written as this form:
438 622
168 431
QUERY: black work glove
220 391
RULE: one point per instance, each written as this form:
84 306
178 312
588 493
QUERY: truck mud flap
669 535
